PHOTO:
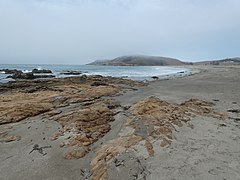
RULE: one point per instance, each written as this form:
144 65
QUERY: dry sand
191 140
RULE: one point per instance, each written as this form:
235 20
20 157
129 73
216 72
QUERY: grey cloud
78 31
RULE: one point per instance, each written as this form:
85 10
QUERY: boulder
21 75
155 77
71 73
10 71
41 71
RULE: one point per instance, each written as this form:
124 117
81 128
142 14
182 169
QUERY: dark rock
114 105
21 75
10 71
118 162
99 83
98 76
236 119
125 108
83 79
234 110
71 73
44 76
38 71
155 77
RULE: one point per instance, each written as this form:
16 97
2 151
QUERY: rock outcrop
41 71
71 73
30 75
86 114
152 121
10 71
21 75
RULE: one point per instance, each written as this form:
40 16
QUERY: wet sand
201 140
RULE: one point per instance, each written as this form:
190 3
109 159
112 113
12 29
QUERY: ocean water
131 72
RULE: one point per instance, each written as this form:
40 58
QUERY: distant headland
141 60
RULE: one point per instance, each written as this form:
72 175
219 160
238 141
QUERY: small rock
234 110
155 77
99 83
10 71
222 125
62 145
77 153
118 162
71 73
12 138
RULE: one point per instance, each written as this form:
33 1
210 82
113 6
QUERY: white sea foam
131 72
26 71
140 72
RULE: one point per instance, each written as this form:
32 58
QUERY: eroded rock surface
78 104
23 99
73 102
151 121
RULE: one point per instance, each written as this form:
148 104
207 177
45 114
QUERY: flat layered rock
152 121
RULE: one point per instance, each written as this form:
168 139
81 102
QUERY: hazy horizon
82 31
90 61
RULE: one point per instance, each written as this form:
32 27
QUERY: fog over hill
141 60
138 60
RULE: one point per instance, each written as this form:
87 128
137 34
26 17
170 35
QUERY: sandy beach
92 127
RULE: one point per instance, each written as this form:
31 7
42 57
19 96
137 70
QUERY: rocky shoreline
94 127
35 74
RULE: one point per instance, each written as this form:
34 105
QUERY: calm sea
131 72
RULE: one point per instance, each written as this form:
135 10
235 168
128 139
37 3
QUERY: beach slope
107 128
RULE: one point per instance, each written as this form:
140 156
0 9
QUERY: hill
139 61
227 61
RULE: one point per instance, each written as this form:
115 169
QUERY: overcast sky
80 31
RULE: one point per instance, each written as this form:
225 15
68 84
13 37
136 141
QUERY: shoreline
138 74
190 151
